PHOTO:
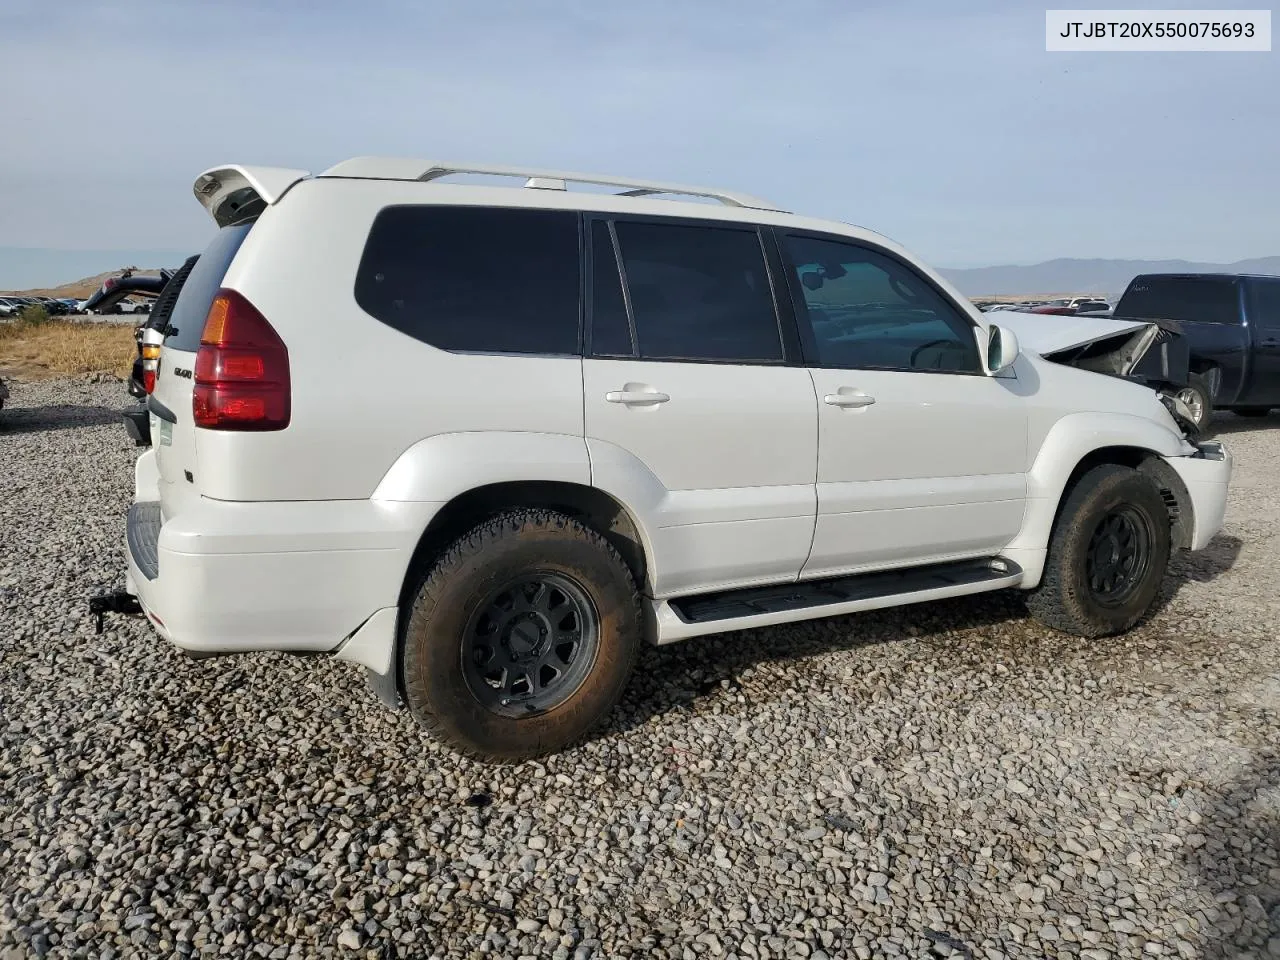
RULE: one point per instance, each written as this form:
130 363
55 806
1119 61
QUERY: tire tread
427 597
1055 602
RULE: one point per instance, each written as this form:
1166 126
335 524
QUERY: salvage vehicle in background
148 336
580 421
1231 323
114 296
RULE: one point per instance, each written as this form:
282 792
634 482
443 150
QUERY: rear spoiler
233 192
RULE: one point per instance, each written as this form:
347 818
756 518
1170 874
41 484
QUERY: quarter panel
362 392
440 468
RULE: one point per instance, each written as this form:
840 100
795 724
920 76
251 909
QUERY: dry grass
61 346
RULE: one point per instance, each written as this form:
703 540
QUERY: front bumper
1205 474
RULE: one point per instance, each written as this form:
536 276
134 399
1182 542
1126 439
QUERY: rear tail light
242 369
151 351
149 380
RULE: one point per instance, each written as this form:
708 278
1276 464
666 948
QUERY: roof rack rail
396 168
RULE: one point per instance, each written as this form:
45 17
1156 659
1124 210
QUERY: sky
944 125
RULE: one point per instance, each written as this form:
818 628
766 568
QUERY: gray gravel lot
945 780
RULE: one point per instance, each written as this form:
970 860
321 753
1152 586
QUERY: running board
764 606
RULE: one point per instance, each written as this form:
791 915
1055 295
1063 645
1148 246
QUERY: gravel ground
945 780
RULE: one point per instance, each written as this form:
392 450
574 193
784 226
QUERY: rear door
1264 319
694 414
172 424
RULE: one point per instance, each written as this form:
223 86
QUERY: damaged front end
1153 353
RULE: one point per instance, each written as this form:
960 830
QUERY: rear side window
186 323
699 293
1266 303
481 279
1188 299
610 328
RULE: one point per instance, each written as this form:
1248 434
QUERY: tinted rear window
481 279
186 323
699 293
1193 299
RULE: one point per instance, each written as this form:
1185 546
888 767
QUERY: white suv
486 440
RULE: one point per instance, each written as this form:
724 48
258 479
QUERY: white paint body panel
720 475
300 539
300 576
933 470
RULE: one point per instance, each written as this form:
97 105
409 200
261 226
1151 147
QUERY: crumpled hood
1048 333
1099 344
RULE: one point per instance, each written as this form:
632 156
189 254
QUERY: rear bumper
1205 474
243 577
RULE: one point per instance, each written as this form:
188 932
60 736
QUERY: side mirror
1002 349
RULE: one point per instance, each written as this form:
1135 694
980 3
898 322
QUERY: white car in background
488 440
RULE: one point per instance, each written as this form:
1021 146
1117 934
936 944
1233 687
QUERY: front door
921 456
693 416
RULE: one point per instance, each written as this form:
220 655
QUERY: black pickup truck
1231 323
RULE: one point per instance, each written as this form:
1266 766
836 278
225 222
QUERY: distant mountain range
26 269
1108 277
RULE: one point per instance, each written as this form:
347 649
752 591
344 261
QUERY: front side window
699 293
867 310
482 279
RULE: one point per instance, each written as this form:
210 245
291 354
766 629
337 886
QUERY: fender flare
1069 442
444 467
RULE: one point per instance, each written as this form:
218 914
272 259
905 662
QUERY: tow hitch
117 601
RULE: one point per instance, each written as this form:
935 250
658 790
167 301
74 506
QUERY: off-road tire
1064 600
508 546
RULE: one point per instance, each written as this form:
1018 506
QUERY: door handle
636 397
848 400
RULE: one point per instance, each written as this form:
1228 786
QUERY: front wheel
521 638
1199 400
1107 555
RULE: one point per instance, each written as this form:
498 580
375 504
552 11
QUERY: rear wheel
1251 411
1199 401
521 637
1107 556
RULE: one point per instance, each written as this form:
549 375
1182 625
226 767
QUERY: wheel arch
603 513
1079 442
1211 373
598 510
1173 491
